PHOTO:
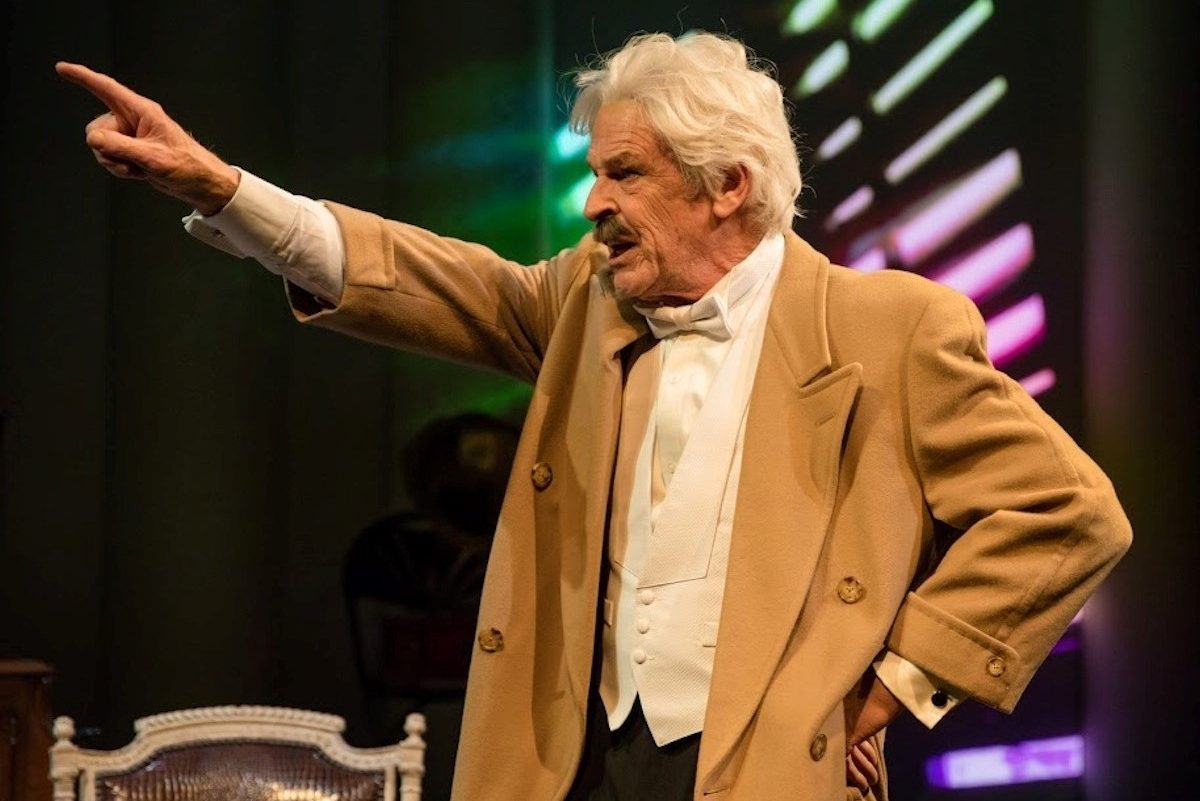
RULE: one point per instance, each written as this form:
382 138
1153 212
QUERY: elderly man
761 503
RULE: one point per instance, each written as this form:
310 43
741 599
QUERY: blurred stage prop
248 753
24 730
413 579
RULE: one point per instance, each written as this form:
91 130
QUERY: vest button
851 590
541 475
817 749
646 596
643 625
638 655
491 640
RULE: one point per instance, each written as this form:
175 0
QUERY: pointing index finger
119 98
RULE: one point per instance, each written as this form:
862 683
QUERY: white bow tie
706 316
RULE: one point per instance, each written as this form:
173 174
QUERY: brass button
491 640
817 749
851 590
996 667
542 475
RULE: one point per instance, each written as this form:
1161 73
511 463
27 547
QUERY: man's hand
136 139
862 767
871 709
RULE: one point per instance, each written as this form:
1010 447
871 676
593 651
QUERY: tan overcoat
882 452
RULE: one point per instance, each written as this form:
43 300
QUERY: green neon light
946 131
806 15
824 70
870 23
570 203
567 144
931 57
503 399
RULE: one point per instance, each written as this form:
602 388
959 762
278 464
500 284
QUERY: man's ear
733 193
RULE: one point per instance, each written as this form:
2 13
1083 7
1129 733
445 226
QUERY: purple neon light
1030 761
872 261
1016 329
990 267
949 211
1067 643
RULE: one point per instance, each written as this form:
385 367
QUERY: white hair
714 105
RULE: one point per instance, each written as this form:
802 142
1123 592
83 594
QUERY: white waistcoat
667 565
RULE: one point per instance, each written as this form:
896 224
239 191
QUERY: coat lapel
591 426
798 415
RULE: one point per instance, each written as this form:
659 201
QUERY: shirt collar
722 309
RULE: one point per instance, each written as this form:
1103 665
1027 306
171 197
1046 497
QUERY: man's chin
626 284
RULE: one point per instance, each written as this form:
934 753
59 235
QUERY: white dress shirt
299 239
667 568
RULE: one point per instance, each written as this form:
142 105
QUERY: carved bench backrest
239 754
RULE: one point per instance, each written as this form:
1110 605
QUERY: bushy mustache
610 230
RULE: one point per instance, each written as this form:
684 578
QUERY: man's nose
599 203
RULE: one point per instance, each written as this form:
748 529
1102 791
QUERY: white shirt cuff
917 690
290 235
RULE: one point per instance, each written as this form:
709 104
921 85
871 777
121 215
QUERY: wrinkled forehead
621 132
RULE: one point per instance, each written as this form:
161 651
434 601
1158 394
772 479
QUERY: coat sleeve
408 288
1036 523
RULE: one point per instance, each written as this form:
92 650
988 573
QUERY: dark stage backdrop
184 470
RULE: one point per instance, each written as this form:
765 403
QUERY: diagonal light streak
871 23
945 131
930 57
841 138
807 15
968 199
990 267
1016 329
824 70
1036 384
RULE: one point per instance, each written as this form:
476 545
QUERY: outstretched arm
137 139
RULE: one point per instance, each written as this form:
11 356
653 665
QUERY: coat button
996 667
542 475
817 749
491 640
851 590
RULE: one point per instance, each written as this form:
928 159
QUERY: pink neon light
991 266
968 199
851 207
871 261
1039 382
1030 761
1016 329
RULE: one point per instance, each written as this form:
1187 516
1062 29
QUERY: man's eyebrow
622 159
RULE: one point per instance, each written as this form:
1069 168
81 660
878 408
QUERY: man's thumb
116 146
